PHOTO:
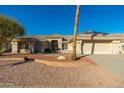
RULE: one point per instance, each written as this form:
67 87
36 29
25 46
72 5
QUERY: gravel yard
34 74
48 57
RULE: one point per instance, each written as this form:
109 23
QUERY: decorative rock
61 58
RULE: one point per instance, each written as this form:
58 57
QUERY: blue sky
60 19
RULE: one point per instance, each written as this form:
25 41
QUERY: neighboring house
86 44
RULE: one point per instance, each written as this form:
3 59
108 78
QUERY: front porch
23 45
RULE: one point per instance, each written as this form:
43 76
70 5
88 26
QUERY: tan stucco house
40 44
86 44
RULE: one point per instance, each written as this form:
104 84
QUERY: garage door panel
97 48
102 48
87 48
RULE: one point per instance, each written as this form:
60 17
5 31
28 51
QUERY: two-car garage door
97 47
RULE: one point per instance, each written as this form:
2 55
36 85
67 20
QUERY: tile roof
79 37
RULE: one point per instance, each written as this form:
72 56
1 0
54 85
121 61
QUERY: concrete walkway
115 63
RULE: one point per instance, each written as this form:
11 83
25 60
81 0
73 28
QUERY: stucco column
79 47
14 47
32 47
60 44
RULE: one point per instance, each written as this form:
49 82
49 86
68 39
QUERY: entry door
54 45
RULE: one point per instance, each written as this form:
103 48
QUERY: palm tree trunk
75 33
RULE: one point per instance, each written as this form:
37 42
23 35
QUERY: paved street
115 63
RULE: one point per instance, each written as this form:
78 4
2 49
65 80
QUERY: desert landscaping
51 73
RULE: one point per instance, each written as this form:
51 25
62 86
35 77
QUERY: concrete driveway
115 63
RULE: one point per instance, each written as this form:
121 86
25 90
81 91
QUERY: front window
65 46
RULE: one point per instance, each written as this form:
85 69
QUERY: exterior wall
78 47
82 47
15 48
59 42
116 47
122 48
88 47
34 47
41 46
70 46
25 51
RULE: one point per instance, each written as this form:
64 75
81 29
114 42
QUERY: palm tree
9 29
75 32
